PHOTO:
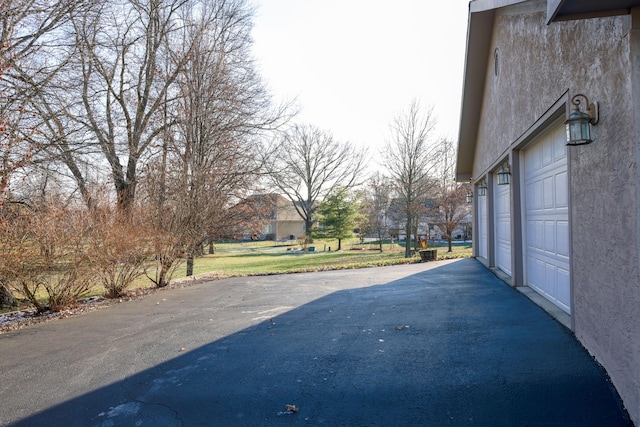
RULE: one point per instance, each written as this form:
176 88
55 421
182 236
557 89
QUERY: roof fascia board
553 6
589 15
570 10
478 42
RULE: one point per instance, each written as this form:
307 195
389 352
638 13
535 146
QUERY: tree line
413 193
132 133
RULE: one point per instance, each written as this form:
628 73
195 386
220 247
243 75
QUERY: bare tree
210 161
310 164
115 95
27 32
451 207
30 56
451 210
129 55
377 200
412 156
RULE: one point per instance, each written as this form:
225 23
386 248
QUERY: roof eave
479 32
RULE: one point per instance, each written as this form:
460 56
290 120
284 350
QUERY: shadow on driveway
448 346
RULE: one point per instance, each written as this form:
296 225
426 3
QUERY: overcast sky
355 64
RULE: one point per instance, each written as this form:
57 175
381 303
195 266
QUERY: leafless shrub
45 254
121 249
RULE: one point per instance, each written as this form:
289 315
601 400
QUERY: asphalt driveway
434 344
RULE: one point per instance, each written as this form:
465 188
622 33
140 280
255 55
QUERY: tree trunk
126 195
161 276
212 249
407 240
449 240
308 225
339 244
199 252
6 297
190 265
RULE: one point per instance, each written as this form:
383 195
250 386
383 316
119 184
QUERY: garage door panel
562 241
564 295
534 195
548 194
550 285
562 190
536 272
549 237
533 161
560 153
504 258
504 228
547 154
535 234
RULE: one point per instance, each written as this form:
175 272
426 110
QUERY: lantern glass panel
503 177
578 129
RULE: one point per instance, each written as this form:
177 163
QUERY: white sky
353 65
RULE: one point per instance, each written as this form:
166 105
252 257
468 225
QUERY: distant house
426 229
566 221
279 218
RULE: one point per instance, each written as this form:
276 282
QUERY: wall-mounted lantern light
504 174
482 188
469 197
579 122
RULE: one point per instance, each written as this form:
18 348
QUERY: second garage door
502 210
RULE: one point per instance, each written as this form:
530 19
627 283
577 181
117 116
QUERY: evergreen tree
337 215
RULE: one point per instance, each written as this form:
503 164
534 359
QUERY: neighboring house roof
479 31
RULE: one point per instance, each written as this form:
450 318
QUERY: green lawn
266 257
234 259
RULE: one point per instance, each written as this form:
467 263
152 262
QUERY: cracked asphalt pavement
431 344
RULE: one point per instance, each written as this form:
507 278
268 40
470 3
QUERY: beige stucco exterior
518 87
284 220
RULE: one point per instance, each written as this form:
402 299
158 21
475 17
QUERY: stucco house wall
532 70
536 66
287 222
286 229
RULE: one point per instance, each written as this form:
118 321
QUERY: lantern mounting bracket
591 107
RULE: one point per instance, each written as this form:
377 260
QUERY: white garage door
502 201
546 221
483 240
